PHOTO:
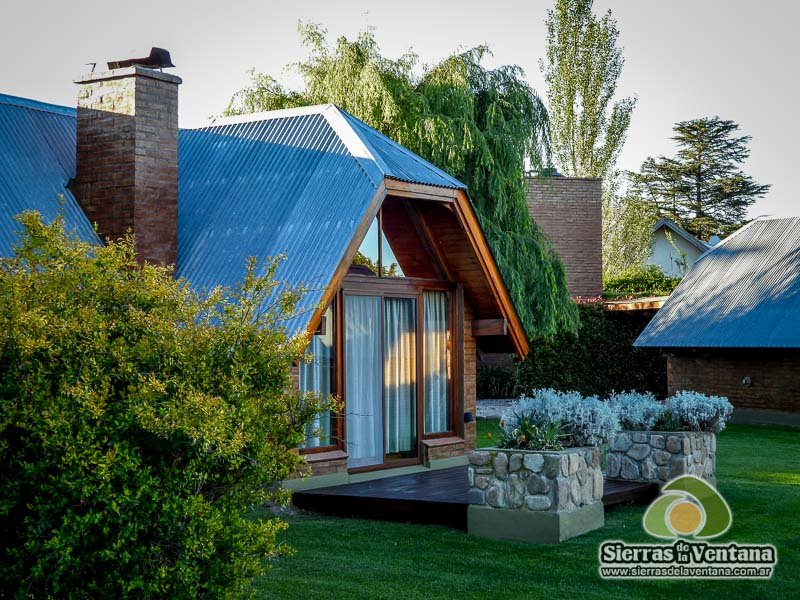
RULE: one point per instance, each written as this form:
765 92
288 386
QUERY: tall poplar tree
702 187
582 67
480 125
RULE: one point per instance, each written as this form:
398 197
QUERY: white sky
685 58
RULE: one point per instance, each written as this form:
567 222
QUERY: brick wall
569 211
470 379
774 377
127 158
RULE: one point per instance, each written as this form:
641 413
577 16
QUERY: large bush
683 411
138 423
598 361
646 280
579 421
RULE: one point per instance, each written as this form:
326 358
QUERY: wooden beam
484 327
347 259
470 223
396 187
425 233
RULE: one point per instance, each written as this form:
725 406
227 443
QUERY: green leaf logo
688 507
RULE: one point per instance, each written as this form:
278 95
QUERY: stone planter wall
659 456
535 496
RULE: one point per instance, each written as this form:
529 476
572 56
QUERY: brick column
569 211
127 161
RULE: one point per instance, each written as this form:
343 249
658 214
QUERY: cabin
732 326
402 286
674 249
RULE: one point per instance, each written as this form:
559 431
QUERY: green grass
758 473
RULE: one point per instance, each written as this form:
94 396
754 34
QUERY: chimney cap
157 59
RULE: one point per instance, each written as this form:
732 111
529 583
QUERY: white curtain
400 374
315 377
436 359
362 317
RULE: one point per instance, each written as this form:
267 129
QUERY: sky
684 58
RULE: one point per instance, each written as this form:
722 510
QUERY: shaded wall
569 211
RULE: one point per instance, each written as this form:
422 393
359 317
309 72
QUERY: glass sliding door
363 380
316 377
436 361
400 376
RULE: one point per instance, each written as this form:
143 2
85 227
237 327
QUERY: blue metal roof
297 182
398 162
37 161
742 293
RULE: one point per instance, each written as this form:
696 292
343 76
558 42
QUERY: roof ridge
410 153
32 104
359 148
267 115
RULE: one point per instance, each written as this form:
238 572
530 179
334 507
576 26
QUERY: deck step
431 497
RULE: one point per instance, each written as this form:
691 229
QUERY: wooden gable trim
459 202
469 221
344 264
420 191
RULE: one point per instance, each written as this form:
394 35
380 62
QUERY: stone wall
569 210
659 456
536 481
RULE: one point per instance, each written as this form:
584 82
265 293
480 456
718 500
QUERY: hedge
599 360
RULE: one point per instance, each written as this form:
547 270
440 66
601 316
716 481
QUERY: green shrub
139 422
598 361
647 280
574 420
495 382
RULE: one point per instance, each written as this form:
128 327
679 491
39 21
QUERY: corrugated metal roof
263 188
295 182
742 293
398 162
37 161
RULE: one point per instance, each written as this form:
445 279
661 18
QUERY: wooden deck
431 497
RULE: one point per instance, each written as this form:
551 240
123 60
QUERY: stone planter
659 456
540 497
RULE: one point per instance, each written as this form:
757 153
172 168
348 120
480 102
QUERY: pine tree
703 187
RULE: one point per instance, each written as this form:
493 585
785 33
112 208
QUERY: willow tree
480 125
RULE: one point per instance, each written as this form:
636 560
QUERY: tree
627 229
480 125
702 187
139 423
582 69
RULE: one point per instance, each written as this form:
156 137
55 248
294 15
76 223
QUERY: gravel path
493 409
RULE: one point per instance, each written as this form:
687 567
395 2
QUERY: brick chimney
569 210
127 162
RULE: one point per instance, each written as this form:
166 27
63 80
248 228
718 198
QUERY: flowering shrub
581 421
694 411
637 411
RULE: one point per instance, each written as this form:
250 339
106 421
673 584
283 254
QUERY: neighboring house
317 185
732 326
675 250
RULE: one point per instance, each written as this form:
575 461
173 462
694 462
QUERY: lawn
758 473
